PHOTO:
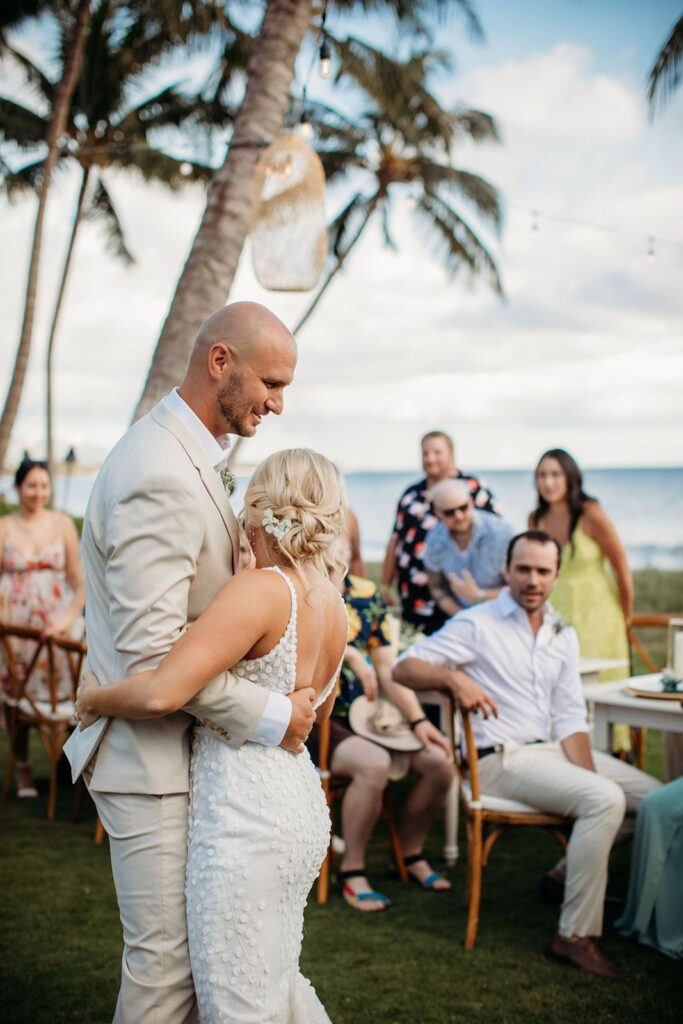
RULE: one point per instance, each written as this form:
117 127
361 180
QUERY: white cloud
585 352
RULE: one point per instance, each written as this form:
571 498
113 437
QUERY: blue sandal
429 882
354 899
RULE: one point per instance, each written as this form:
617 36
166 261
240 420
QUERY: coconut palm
75 41
665 75
148 29
207 276
106 131
402 141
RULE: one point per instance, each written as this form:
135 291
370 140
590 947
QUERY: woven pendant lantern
289 234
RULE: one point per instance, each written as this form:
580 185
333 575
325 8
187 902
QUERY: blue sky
585 353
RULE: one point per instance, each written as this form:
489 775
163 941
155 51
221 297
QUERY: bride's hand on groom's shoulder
301 720
84 715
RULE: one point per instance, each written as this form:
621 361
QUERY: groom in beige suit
159 540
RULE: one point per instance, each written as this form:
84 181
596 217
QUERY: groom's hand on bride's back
301 720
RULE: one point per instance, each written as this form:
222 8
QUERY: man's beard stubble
232 407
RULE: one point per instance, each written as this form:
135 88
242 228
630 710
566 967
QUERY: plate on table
652 689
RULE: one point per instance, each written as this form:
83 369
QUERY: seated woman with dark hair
41 587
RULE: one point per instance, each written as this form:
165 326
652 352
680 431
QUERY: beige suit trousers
540 775
148 844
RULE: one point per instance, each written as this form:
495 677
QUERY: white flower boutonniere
228 481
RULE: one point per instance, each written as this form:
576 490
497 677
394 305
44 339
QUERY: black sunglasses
448 512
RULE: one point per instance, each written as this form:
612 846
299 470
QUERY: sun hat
381 722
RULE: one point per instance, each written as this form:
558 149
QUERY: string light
325 59
185 169
305 126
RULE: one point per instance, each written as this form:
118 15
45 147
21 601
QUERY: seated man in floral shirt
367 670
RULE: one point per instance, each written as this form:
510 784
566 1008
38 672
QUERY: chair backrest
647 621
472 756
26 651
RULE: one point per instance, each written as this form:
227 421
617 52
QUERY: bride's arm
237 618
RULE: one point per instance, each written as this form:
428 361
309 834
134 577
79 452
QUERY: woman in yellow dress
594 591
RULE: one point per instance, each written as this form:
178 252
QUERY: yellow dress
586 596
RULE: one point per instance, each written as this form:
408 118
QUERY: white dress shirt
275 719
534 680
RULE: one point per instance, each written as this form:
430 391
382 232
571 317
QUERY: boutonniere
559 626
228 481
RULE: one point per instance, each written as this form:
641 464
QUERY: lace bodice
276 670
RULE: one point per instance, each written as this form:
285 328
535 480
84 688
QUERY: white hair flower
277 527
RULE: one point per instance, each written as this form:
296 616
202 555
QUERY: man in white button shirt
160 539
533 740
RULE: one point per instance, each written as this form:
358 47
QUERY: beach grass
60 942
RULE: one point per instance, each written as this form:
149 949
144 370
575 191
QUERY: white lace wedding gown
259 830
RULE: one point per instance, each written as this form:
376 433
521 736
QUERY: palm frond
456 243
16 184
386 232
476 125
476 190
665 75
345 226
101 208
36 78
418 16
155 165
20 125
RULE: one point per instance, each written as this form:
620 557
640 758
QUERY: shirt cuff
274 722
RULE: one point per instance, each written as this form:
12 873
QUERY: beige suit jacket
159 540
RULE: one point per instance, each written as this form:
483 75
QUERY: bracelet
417 721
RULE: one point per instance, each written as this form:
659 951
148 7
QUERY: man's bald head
449 493
242 360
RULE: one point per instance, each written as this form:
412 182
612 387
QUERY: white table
590 668
611 705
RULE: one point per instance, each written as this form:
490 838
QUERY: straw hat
381 722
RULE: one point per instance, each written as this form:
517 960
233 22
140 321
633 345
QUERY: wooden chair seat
33 712
494 806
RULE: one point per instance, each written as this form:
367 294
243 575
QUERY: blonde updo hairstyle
303 486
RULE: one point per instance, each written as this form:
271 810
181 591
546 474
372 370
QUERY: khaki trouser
540 775
148 844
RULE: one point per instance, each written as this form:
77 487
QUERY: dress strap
291 625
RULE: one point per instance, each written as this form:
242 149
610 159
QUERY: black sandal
429 883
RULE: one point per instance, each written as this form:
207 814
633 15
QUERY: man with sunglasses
465 553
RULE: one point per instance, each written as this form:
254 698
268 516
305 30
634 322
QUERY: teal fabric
654 905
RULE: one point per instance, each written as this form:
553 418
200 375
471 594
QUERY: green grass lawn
60 940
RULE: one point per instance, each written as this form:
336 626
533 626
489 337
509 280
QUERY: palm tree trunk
369 210
55 318
57 127
207 277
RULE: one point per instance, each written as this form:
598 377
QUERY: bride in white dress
259 824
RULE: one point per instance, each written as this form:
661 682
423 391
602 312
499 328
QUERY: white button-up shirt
534 680
273 724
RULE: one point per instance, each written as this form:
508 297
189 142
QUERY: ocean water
646 505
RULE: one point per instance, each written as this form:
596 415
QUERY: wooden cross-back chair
647 621
334 787
52 716
486 819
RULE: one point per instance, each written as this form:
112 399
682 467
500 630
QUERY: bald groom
159 540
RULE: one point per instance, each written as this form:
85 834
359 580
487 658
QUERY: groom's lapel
210 478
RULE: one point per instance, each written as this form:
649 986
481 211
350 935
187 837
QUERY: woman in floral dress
41 587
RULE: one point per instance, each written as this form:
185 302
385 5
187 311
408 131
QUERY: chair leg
490 841
474 869
10 725
99 833
323 891
76 803
396 848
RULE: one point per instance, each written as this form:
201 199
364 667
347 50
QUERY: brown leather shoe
584 954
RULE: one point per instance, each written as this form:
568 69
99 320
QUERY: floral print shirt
369 627
414 519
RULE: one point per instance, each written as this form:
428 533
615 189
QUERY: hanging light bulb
185 169
411 202
325 59
305 126
651 255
